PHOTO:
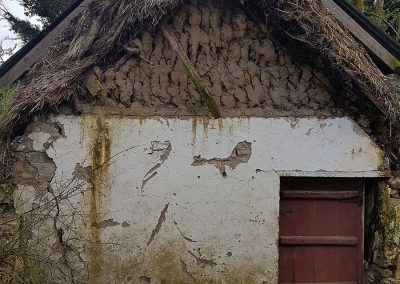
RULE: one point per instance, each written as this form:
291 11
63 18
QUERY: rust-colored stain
194 129
206 123
100 155
220 125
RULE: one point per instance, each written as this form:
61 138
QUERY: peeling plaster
82 173
105 223
183 236
232 220
162 149
240 155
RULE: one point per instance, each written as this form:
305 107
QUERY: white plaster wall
215 227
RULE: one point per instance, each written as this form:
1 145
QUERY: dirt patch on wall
247 73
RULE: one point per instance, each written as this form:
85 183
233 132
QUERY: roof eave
21 61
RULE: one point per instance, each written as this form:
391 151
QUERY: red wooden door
321 235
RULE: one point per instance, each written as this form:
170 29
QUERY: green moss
6 94
388 223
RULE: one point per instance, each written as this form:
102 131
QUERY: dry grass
104 27
307 22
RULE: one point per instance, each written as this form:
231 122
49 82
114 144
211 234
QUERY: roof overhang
384 48
20 62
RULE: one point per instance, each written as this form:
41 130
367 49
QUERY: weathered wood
318 240
320 194
193 74
362 35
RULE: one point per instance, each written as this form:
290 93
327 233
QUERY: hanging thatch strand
307 22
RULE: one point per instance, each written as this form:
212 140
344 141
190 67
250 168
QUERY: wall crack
161 220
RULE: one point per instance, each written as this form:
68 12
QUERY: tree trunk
360 5
378 12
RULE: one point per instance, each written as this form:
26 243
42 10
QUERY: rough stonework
383 233
246 72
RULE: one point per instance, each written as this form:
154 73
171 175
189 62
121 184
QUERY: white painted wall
215 227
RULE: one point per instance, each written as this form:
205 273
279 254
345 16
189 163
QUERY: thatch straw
105 26
308 23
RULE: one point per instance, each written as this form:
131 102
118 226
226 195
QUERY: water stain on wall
99 187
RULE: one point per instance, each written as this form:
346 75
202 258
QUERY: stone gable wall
247 73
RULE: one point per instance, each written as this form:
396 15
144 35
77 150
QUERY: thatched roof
106 26
306 22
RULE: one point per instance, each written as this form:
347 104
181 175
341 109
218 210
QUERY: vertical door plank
286 269
325 263
304 264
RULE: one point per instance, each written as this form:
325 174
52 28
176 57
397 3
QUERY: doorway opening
321 230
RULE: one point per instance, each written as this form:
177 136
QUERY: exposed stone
394 183
82 173
394 193
245 70
6 194
385 242
93 84
241 154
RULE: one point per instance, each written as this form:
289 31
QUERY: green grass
6 94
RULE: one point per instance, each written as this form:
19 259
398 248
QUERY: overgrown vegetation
6 94
384 13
